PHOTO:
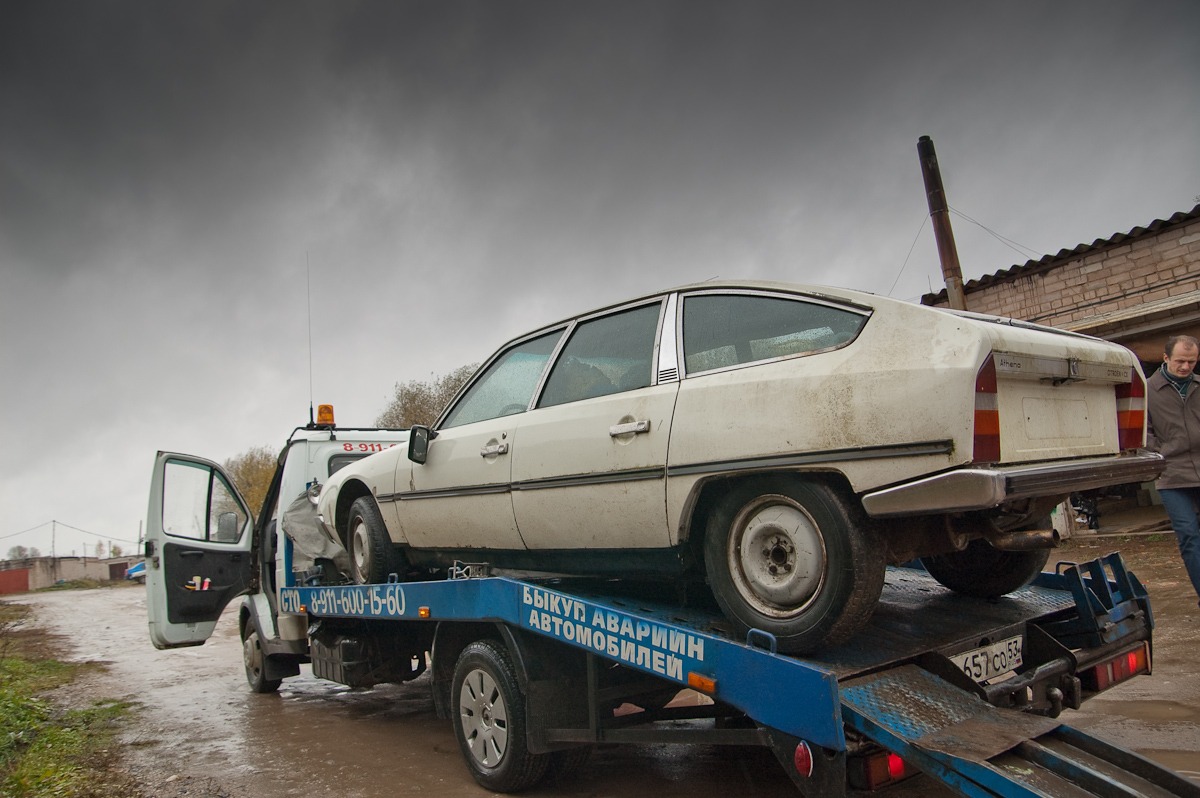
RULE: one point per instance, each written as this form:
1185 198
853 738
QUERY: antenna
308 307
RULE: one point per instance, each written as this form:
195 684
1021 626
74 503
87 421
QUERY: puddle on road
199 721
1147 710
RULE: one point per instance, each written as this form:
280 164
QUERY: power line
14 534
909 255
1015 246
96 534
1019 248
68 526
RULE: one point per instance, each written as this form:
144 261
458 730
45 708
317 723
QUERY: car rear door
198 549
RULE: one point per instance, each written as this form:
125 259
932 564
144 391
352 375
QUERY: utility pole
939 212
53 555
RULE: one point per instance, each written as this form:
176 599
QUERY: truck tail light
1116 670
876 770
802 759
987 414
1131 412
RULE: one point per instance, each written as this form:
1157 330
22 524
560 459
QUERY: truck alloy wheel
490 722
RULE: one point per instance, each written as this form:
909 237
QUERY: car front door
589 464
460 496
198 549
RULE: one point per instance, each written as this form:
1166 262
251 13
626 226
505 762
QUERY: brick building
1133 288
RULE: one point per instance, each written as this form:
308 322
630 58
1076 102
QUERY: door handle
191 553
632 428
493 450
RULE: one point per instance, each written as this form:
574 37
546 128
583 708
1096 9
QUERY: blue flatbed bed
898 686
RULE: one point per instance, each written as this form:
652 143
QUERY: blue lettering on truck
664 650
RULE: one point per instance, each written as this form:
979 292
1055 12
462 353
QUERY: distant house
1134 288
34 573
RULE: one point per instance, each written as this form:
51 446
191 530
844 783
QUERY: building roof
1047 262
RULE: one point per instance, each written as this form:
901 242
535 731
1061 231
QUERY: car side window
607 355
507 385
724 330
199 504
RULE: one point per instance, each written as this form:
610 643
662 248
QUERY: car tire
983 571
373 556
794 559
255 662
490 721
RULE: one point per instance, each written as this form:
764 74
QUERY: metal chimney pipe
939 212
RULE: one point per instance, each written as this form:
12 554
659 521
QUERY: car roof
861 299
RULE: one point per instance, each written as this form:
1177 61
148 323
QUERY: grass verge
47 751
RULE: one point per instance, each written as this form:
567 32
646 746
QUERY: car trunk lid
1042 394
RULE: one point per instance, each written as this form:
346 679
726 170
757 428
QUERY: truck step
980 750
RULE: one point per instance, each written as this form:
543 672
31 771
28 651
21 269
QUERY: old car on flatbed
780 443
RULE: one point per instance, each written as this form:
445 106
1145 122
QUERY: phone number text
365 601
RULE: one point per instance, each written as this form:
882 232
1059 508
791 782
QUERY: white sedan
781 443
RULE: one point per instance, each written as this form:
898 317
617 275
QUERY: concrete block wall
44 572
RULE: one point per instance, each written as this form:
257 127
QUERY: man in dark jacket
1174 431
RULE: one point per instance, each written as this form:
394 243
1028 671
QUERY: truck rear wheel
490 722
255 661
983 571
793 559
373 556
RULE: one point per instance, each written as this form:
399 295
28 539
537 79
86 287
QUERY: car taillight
987 414
1131 412
1116 670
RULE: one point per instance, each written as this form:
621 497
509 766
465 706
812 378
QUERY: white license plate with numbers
988 662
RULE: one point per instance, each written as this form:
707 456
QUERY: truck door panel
198 543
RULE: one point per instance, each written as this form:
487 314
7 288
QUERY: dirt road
200 732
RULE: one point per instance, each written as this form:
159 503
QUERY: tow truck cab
204 546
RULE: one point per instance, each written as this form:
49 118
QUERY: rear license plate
988 662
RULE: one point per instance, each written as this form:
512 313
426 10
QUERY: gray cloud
456 173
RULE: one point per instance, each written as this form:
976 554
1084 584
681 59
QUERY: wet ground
1158 716
199 731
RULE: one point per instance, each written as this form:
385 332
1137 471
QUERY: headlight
314 493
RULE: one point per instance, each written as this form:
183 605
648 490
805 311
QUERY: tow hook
1055 697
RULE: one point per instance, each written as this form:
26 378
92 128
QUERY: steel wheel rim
777 557
484 718
252 654
360 549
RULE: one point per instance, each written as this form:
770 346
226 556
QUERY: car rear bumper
983 488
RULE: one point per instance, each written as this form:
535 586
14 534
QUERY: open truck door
199 538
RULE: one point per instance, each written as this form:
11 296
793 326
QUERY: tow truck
534 670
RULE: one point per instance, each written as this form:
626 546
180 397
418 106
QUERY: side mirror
418 443
227 527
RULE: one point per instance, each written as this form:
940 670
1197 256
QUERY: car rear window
724 330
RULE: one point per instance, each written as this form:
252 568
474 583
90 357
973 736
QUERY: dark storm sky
452 174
